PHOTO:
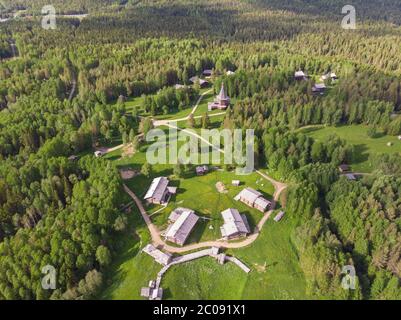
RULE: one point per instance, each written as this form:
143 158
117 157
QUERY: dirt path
74 87
159 242
278 186
168 122
158 123
155 233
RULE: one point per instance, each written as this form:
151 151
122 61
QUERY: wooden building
159 192
300 75
235 225
179 231
253 199
201 170
221 102
319 88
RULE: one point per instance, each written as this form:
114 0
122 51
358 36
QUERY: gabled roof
249 194
300 74
175 214
159 256
320 86
157 188
183 226
234 223
202 169
201 81
350 176
262 203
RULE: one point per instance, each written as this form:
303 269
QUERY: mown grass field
197 193
201 195
364 145
138 103
275 271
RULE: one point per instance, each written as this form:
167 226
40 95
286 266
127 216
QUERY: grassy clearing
131 270
201 195
364 145
197 193
273 259
204 279
138 103
275 271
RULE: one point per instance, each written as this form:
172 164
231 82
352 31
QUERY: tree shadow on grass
198 231
114 158
378 135
251 220
167 294
360 155
311 129
116 276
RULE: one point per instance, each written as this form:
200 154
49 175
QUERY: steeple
222 95
221 102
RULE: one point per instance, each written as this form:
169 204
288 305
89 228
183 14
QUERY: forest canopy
63 93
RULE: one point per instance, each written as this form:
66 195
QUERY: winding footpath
154 231
160 243
159 123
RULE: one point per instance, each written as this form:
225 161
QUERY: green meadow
364 145
275 271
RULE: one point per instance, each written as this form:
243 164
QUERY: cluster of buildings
318 88
154 292
182 221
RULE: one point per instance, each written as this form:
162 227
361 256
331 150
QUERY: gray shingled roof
159 256
157 189
234 223
183 226
249 194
